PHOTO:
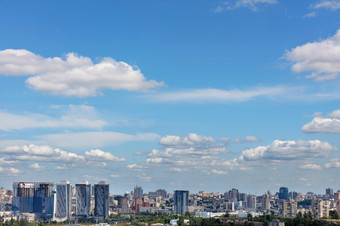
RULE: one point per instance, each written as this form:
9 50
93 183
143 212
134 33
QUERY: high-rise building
181 199
283 193
64 200
83 199
265 202
251 202
329 192
233 195
101 200
138 192
34 197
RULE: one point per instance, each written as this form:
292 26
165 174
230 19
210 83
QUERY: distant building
181 199
251 202
265 202
63 200
83 199
329 192
34 197
283 193
320 208
101 200
287 209
138 192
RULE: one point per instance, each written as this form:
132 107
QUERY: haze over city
195 95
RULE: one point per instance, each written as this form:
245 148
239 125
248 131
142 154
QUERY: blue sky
194 94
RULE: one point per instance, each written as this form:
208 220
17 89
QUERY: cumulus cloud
100 155
36 166
43 153
74 75
327 4
322 125
194 151
310 167
289 150
321 59
14 170
220 95
250 4
73 116
334 163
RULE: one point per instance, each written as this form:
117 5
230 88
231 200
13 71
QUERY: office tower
283 193
101 200
64 200
251 202
34 197
233 195
138 192
83 199
181 199
329 192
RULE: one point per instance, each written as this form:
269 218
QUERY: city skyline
181 95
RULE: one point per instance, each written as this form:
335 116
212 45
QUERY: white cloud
321 59
322 125
310 167
36 166
100 155
114 175
219 95
63 167
327 4
1 169
40 153
94 139
281 151
335 113
27 153
195 152
310 15
74 75
226 140
74 116
143 177
14 170
289 150
334 163
218 172
175 169
251 4
247 139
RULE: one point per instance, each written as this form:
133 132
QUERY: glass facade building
101 200
63 200
181 199
83 199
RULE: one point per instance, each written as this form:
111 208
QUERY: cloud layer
73 116
73 76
